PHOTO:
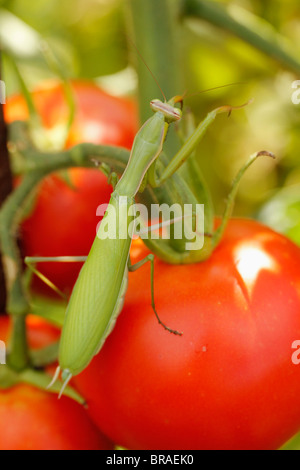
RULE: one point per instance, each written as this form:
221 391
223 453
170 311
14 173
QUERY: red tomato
63 221
229 381
37 420
40 332
100 118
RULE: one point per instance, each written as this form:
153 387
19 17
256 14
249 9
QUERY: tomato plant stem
231 197
248 28
5 189
18 357
38 166
155 31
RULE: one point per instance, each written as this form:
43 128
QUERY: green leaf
45 356
8 378
41 380
292 444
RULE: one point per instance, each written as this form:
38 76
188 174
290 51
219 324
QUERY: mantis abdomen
100 289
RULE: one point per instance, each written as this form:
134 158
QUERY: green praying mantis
98 295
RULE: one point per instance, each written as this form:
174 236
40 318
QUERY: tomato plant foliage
63 221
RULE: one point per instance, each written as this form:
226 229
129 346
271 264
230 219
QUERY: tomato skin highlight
63 221
33 419
229 381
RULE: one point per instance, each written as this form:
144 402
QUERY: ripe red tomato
64 224
229 381
63 221
36 420
100 118
40 332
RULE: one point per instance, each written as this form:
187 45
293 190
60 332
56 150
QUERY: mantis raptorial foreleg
113 179
188 147
31 263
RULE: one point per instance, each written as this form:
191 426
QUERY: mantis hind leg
150 258
32 261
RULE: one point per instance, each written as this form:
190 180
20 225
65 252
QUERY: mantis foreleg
32 261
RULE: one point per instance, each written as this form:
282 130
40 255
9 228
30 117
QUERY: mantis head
168 109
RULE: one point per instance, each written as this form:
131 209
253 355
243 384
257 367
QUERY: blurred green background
89 38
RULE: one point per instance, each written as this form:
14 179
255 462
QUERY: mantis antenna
145 63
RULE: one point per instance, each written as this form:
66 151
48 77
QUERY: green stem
191 143
45 356
18 358
232 195
59 70
41 380
6 184
154 29
38 166
35 118
257 33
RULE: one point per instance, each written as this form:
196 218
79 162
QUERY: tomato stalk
19 356
38 132
249 28
231 198
18 305
156 31
5 188
35 122
36 166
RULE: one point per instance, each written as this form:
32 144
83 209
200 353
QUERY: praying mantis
98 295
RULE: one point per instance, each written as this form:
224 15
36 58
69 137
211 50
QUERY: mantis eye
156 105
170 112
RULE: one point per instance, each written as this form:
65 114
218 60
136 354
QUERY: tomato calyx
8 377
38 378
232 195
41 353
173 253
